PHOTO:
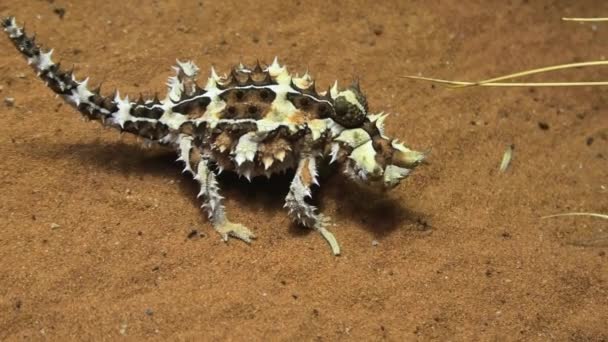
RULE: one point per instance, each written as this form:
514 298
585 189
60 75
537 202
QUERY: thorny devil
255 121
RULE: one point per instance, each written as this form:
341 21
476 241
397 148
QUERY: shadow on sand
376 211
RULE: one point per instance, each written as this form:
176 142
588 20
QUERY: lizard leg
198 166
305 213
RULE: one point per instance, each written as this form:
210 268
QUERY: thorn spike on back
188 68
214 75
327 95
334 89
97 90
275 62
306 76
258 67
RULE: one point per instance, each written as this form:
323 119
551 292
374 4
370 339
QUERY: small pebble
55 226
149 312
375 243
378 30
9 101
60 11
194 234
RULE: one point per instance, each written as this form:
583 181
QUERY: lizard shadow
376 213
372 209
118 157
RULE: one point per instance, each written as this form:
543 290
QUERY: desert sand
101 238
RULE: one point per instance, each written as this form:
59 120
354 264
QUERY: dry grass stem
495 82
506 159
604 216
585 19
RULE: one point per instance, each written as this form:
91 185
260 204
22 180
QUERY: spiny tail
141 118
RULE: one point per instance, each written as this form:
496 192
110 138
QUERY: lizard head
371 157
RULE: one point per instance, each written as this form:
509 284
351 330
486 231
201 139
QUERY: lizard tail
140 118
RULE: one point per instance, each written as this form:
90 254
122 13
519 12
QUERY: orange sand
461 253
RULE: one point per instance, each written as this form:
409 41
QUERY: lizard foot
227 229
320 225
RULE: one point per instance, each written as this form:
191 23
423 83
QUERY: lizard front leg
305 213
198 166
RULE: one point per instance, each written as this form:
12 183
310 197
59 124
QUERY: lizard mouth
386 179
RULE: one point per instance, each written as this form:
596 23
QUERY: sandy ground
96 234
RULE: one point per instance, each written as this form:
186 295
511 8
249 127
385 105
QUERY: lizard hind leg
198 166
303 212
